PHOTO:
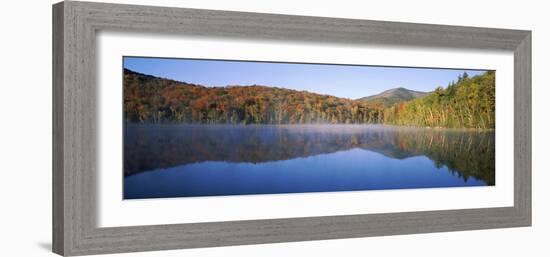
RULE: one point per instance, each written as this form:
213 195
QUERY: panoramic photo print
195 127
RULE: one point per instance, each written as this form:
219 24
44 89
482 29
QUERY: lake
162 161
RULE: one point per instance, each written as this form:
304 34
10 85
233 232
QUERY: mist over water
211 160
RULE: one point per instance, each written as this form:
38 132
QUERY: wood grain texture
58 216
522 128
75 25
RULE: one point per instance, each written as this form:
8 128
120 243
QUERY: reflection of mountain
149 147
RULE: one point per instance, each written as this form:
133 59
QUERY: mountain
149 99
393 96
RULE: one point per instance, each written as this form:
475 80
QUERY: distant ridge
393 96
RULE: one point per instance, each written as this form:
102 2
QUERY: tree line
467 103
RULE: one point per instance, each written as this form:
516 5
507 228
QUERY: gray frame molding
74 136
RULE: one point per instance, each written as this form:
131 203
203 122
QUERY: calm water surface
213 160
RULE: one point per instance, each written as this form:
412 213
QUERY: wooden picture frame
75 25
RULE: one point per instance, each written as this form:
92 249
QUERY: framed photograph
183 128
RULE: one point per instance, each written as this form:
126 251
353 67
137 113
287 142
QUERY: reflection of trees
148 147
466 154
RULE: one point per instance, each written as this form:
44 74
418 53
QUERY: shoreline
334 125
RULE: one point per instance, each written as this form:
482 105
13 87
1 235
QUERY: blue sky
338 80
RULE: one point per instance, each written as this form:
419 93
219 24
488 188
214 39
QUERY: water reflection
466 154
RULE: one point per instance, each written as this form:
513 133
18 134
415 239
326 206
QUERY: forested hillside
149 99
466 103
